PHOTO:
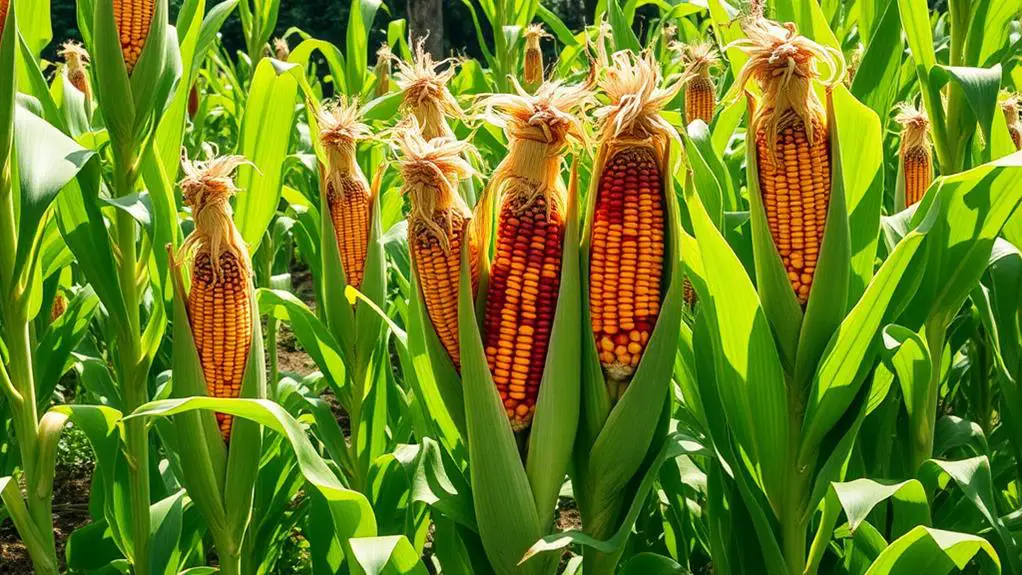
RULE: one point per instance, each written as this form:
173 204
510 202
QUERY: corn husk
533 68
382 70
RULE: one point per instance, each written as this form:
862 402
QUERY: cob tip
431 170
633 84
281 50
915 127
382 69
76 60
207 188
424 83
784 63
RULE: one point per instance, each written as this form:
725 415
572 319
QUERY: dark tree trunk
426 19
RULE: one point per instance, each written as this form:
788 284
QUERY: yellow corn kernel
134 19
915 153
794 180
439 273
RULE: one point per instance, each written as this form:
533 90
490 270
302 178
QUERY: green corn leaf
878 77
748 368
52 357
555 422
351 513
858 498
47 161
974 478
811 21
361 15
265 141
936 551
392 555
839 374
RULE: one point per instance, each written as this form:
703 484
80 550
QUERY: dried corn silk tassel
426 96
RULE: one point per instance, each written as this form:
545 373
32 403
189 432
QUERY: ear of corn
533 73
1010 106
437 226
134 19
526 269
915 153
75 60
382 70
219 306
59 306
281 50
426 96
627 234
347 190
700 91
3 15
193 100
792 144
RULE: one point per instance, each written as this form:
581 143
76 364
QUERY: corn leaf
748 368
839 374
857 499
555 423
350 510
974 478
936 551
264 140
391 555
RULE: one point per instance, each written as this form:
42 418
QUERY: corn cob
792 143
3 15
1010 106
281 50
382 70
219 303
347 190
627 235
700 92
75 60
134 19
688 293
193 101
424 83
853 64
526 269
533 73
59 306
915 153
437 226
